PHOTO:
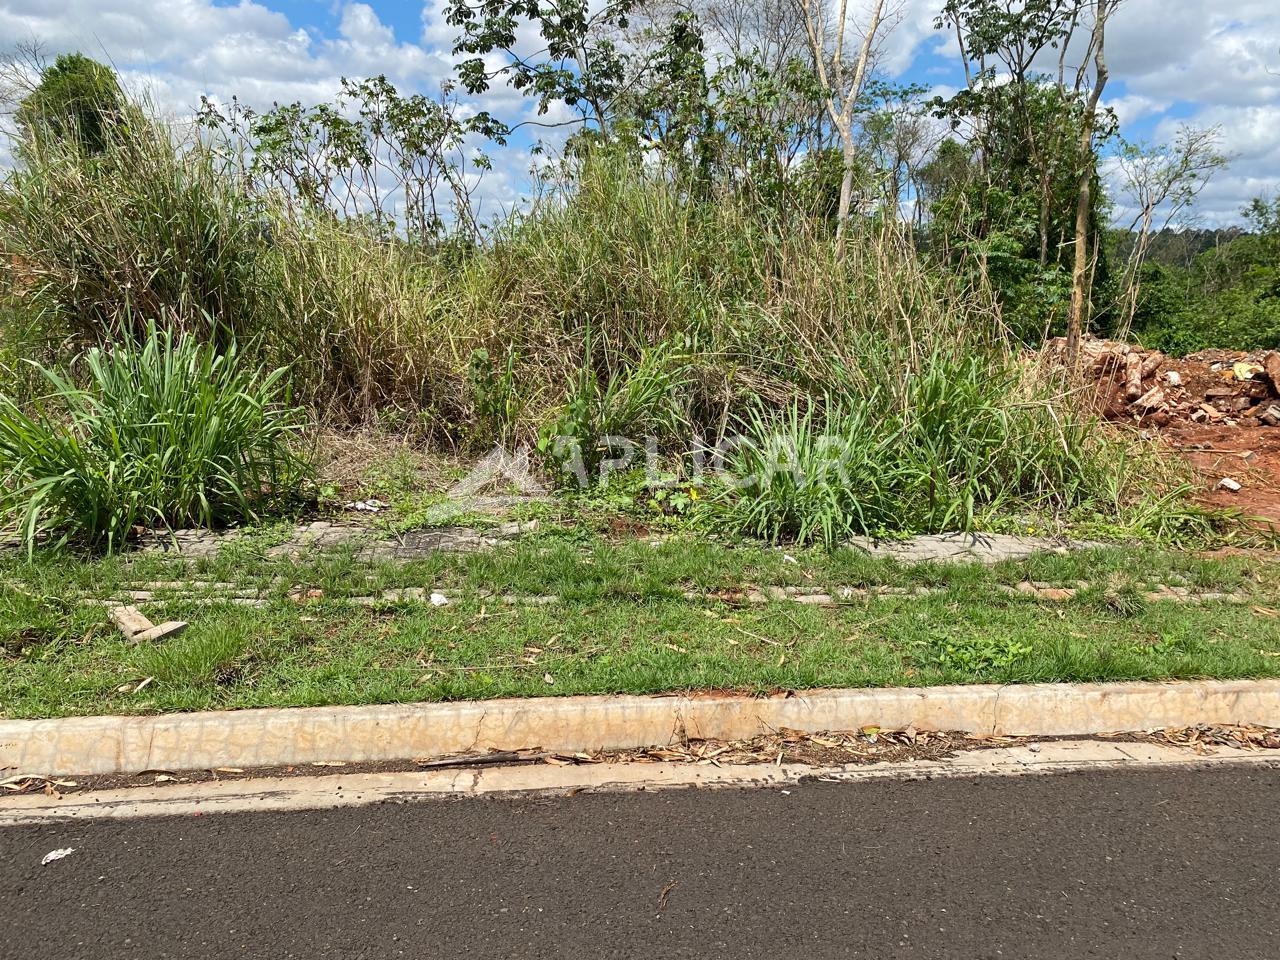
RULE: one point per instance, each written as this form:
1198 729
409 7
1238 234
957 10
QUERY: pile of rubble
1213 386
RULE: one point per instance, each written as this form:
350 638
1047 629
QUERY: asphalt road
1134 865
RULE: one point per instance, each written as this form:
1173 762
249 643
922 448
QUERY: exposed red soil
1218 451
1219 408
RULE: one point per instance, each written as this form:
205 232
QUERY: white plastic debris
438 599
1226 483
58 854
367 506
1173 378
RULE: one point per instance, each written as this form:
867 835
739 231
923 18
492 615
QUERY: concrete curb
284 794
252 738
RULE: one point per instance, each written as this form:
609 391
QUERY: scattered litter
438 599
138 629
329 763
1202 736
1226 483
58 854
129 620
23 782
548 679
170 628
367 506
788 558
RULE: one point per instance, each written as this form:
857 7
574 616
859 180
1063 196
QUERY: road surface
1154 864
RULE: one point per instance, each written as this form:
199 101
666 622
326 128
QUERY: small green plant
497 402
166 432
1119 594
972 653
816 476
631 405
198 660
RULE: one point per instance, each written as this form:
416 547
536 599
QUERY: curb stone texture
361 789
109 745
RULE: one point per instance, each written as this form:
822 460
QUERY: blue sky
1208 62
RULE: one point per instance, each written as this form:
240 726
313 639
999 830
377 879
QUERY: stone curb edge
263 738
283 794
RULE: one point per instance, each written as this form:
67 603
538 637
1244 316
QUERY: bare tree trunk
837 88
846 192
1080 273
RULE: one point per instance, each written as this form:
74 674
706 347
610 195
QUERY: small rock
814 599
130 621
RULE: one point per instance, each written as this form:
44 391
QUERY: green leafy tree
580 64
78 100
1034 127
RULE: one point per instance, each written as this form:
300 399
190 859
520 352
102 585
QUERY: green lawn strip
331 651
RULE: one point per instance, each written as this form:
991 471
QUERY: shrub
955 442
140 228
167 431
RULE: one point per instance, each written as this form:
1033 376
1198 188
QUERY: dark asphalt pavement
1134 865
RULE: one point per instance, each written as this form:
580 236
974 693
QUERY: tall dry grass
616 303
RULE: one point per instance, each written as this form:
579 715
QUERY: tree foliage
78 101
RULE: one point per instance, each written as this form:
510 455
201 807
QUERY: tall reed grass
759 325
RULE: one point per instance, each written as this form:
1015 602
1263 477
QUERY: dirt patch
1249 456
1220 409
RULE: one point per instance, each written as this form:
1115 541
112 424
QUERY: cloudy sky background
1206 62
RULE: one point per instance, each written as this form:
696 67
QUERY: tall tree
1087 160
1162 179
579 64
842 84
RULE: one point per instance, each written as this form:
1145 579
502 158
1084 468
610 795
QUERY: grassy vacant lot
622 623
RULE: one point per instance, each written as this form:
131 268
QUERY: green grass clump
954 443
167 432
